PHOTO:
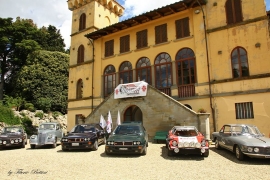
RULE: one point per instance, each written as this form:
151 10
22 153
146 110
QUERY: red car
186 140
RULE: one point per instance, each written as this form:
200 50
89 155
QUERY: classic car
48 134
187 140
84 136
243 140
13 136
129 137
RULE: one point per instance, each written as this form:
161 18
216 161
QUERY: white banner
130 90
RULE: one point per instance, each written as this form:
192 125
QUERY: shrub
7 116
27 124
30 107
56 113
201 110
39 114
44 104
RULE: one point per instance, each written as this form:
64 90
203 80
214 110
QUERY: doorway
133 113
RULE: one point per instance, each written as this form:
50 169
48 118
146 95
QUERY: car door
58 132
100 133
226 137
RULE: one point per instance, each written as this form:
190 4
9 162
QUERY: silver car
48 134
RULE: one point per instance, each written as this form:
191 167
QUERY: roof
146 17
184 127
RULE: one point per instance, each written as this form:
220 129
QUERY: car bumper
252 155
189 150
11 145
125 149
47 142
81 145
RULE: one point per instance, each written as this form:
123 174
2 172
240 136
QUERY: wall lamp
197 11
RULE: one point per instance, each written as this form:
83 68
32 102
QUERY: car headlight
250 149
16 140
33 137
85 139
203 143
186 144
20 140
174 143
198 145
110 142
0 141
180 144
88 139
192 144
64 140
50 136
12 141
4 142
256 150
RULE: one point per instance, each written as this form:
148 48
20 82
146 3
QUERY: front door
133 113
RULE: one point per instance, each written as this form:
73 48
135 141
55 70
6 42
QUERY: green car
129 137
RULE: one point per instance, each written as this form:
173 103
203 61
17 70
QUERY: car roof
50 123
184 127
239 125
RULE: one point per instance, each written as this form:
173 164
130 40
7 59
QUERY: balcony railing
165 90
186 91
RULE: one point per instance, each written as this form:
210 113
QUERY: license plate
268 156
75 144
123 149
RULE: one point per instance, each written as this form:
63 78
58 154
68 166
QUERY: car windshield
83 129
46 126
244 130
127 130
185 132
12 130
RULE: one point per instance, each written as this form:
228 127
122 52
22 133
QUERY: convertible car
84 136
129 137
13 136
186 140
243 140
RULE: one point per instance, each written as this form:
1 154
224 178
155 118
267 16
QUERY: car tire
205 154
239 154
54 144
26 142
23 145
217 146
170 152
64 149
144 151
107 153
95 146
33 146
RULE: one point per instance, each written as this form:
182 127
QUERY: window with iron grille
109 47
143 70
161 33
124 44
142 39
244 110
182 28
239 62
109 80
82 22
79 93
233 11
80 56
125 73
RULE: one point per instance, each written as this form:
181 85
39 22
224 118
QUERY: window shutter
229 12
186 27
238 11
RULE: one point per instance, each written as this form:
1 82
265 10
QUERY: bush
27 124
30 107
7 116
56 113
39 114
44 104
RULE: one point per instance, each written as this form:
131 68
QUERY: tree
44 80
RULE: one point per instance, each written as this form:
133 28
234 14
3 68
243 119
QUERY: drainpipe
92 42
208 67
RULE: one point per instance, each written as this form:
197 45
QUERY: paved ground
47 163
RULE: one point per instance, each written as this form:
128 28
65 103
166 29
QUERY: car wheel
33 146
26 142
144 151
107 153
205 154
64 149
238 153
95 146
54 144
170 152
23 145
217 146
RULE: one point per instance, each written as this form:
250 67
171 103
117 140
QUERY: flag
102 122
109 123
118 121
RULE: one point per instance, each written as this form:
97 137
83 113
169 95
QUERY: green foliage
56 113
13 102
27 124
23 114
29 107
44 104
39 114
7 116
202 110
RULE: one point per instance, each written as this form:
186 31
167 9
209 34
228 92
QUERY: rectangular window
161 33
124 44
182 28
142 39
244 110
109 47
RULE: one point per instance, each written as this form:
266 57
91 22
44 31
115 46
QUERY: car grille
41 138
267 150
123 143
76 140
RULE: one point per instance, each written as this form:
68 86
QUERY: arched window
163 72
80 56
79 93
143 70
233 11
109 80
125 73
239 62
82 22
185 72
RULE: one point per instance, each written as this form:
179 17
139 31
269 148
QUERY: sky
56 12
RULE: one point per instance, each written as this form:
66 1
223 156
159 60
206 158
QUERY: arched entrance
133 113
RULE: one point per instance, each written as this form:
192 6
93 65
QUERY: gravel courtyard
47 163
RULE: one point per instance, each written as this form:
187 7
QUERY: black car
13 136
84 136
129 137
